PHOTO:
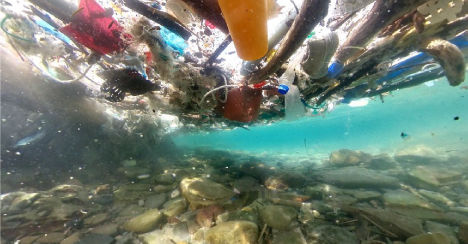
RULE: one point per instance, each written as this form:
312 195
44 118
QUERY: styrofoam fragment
441 10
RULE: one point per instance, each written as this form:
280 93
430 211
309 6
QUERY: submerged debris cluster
175 57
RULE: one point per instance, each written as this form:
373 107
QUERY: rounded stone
438 238
278 216
175 207
107 230
54 237
233 232
156 201
201 192
145 222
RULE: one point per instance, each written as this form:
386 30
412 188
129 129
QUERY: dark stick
218 50
159 17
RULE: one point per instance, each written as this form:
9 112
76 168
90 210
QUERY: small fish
405 136
27 140
122 81
456 118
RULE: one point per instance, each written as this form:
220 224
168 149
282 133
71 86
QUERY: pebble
175 193
243 215
75 237
355 177
278 216
23 202
206 216
181 232
291 237
174 207
317 233
155 201
400 225
96 219
345 157
407 204
433 227
436 238
201 192
145 222
28 239
232 232
437 198
382 162
54 237
463 232
131 210
163 188
367 195
141 202
107 230
96 239
192 226
431 177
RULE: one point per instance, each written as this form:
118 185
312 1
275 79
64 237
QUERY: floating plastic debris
293 104
243 104
247 22
283 89
359 103
95 28
173 40
51 30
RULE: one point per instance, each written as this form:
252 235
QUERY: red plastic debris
210 25
95 28
243 104
259 85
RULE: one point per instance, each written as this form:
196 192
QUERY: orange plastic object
243 104
247 23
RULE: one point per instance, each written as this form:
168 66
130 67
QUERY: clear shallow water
425 113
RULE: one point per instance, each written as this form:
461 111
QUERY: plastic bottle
247 23
293 105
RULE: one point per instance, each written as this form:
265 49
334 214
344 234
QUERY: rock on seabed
145 222
233 232
355 177
201 192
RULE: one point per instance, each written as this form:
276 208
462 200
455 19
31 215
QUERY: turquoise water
426 113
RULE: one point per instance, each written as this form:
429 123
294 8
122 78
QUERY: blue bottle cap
335 69
283 89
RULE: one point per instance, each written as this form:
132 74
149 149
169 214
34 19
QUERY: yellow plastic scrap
247 23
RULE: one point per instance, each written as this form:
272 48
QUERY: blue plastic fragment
176 42
51 30
156 6
335 69
283 89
